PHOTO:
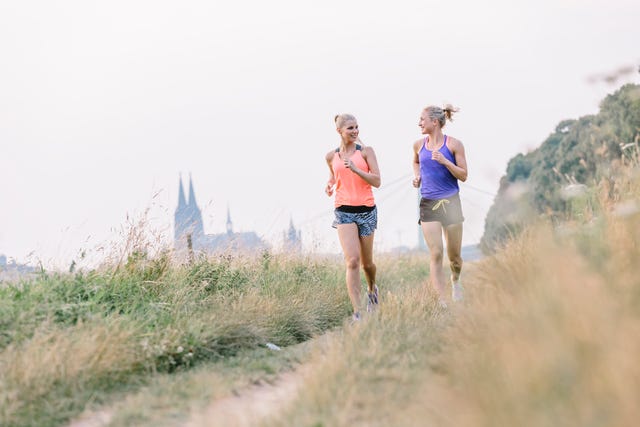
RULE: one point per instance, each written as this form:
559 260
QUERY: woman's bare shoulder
453 142
367 150
329 156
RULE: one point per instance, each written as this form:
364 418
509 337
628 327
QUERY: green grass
69 339
547 336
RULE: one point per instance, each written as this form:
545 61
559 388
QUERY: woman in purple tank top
439 163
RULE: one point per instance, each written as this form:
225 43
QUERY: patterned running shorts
367 222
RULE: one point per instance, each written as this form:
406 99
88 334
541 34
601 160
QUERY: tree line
577 161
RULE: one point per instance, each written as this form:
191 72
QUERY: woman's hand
329 188
416 181
349 164
438 157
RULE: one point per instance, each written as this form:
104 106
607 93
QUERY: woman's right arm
416 164
332 179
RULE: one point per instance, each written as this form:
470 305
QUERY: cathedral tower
188 219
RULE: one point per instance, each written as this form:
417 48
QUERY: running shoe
456 291
372 302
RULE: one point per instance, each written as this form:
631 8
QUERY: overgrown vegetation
67 338
547 335
576 160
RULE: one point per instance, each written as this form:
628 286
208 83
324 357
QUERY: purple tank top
437 181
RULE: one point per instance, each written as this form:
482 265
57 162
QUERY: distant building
189 230
292 239
11 270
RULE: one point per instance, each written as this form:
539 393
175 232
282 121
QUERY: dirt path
252 404
262 401
93 419
246 408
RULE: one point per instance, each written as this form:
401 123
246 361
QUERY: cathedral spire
292 238
192 194
182 203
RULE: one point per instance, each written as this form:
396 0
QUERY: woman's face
349 131
426 124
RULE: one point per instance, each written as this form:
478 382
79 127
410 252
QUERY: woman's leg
453 236
433 236
366 256
350 242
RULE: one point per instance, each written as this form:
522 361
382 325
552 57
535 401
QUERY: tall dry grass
546 340
67 340
548 335
44 372
369 373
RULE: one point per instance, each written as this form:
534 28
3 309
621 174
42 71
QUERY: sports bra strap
358 147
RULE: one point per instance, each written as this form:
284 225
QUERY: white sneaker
456 291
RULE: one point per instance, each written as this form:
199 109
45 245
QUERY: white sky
104 104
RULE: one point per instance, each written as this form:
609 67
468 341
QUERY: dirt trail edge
99 418
252 404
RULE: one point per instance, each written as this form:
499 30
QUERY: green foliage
139 265
217 275
519 168
170 318
585 151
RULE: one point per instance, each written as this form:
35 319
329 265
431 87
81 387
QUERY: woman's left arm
459 168
373 176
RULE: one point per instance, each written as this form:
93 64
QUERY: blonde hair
441 114
340 119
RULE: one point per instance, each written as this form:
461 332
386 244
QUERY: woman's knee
352 262
436 255
456 264
368 266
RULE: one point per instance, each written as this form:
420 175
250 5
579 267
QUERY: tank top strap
426 139
358 148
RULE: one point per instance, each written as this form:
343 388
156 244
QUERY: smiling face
426 123
349 130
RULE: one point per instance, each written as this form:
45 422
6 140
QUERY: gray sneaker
355 317
372 301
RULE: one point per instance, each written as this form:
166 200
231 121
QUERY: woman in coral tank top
353 170
439 162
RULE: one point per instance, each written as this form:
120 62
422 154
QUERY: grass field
547 335
70 339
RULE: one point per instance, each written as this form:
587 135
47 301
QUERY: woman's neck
346 145
436 138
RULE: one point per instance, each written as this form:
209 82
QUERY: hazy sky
104 104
